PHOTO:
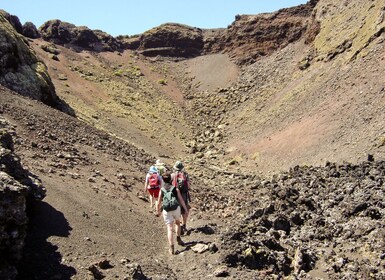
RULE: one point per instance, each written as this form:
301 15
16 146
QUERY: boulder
30 30
20 69
57 32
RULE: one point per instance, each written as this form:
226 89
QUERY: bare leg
156 203
170 237
151 200
170 234
184 219
177 227
178 232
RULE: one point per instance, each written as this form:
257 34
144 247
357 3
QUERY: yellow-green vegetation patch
162 82
119 73
381 141
351 29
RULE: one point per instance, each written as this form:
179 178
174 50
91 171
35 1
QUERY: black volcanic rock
18 190
309 209
107 42
20 69
13 20
30 30
57 31
84 37
64 33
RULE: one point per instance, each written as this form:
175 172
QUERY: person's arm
172 179
181 200
188 188
146 183
159 201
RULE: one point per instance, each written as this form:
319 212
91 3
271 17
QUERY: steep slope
251 37
117 92
309 102
91 210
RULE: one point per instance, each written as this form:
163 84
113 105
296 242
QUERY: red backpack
180 181
153 181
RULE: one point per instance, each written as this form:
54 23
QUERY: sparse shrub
382 141
118 73
162 82
135 70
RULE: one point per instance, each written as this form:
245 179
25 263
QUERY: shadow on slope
41 259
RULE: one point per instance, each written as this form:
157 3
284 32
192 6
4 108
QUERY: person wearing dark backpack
152 185
171 201
180 180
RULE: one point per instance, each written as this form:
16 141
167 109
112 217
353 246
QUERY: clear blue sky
126 17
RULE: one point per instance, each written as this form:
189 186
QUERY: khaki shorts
170 216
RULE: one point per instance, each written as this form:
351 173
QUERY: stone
200 248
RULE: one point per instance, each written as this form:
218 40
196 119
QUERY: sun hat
178 165
153 169
159 162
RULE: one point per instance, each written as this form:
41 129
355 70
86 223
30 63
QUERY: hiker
160 166
152 185
180 179
171 201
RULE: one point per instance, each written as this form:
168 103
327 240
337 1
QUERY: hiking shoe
182 229
179 241
171 250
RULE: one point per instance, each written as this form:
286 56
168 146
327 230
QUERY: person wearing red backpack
152 185
180 179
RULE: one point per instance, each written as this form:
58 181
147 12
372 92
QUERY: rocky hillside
308 102
273 116
317 222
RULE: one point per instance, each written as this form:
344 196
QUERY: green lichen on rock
20 69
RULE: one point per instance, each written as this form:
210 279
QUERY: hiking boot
179 241
171 250
182 229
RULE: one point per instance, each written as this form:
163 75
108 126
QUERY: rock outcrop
30 30
173 40
64 33
250 37
20 69
13 20
18 188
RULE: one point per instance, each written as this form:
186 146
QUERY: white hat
159 162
